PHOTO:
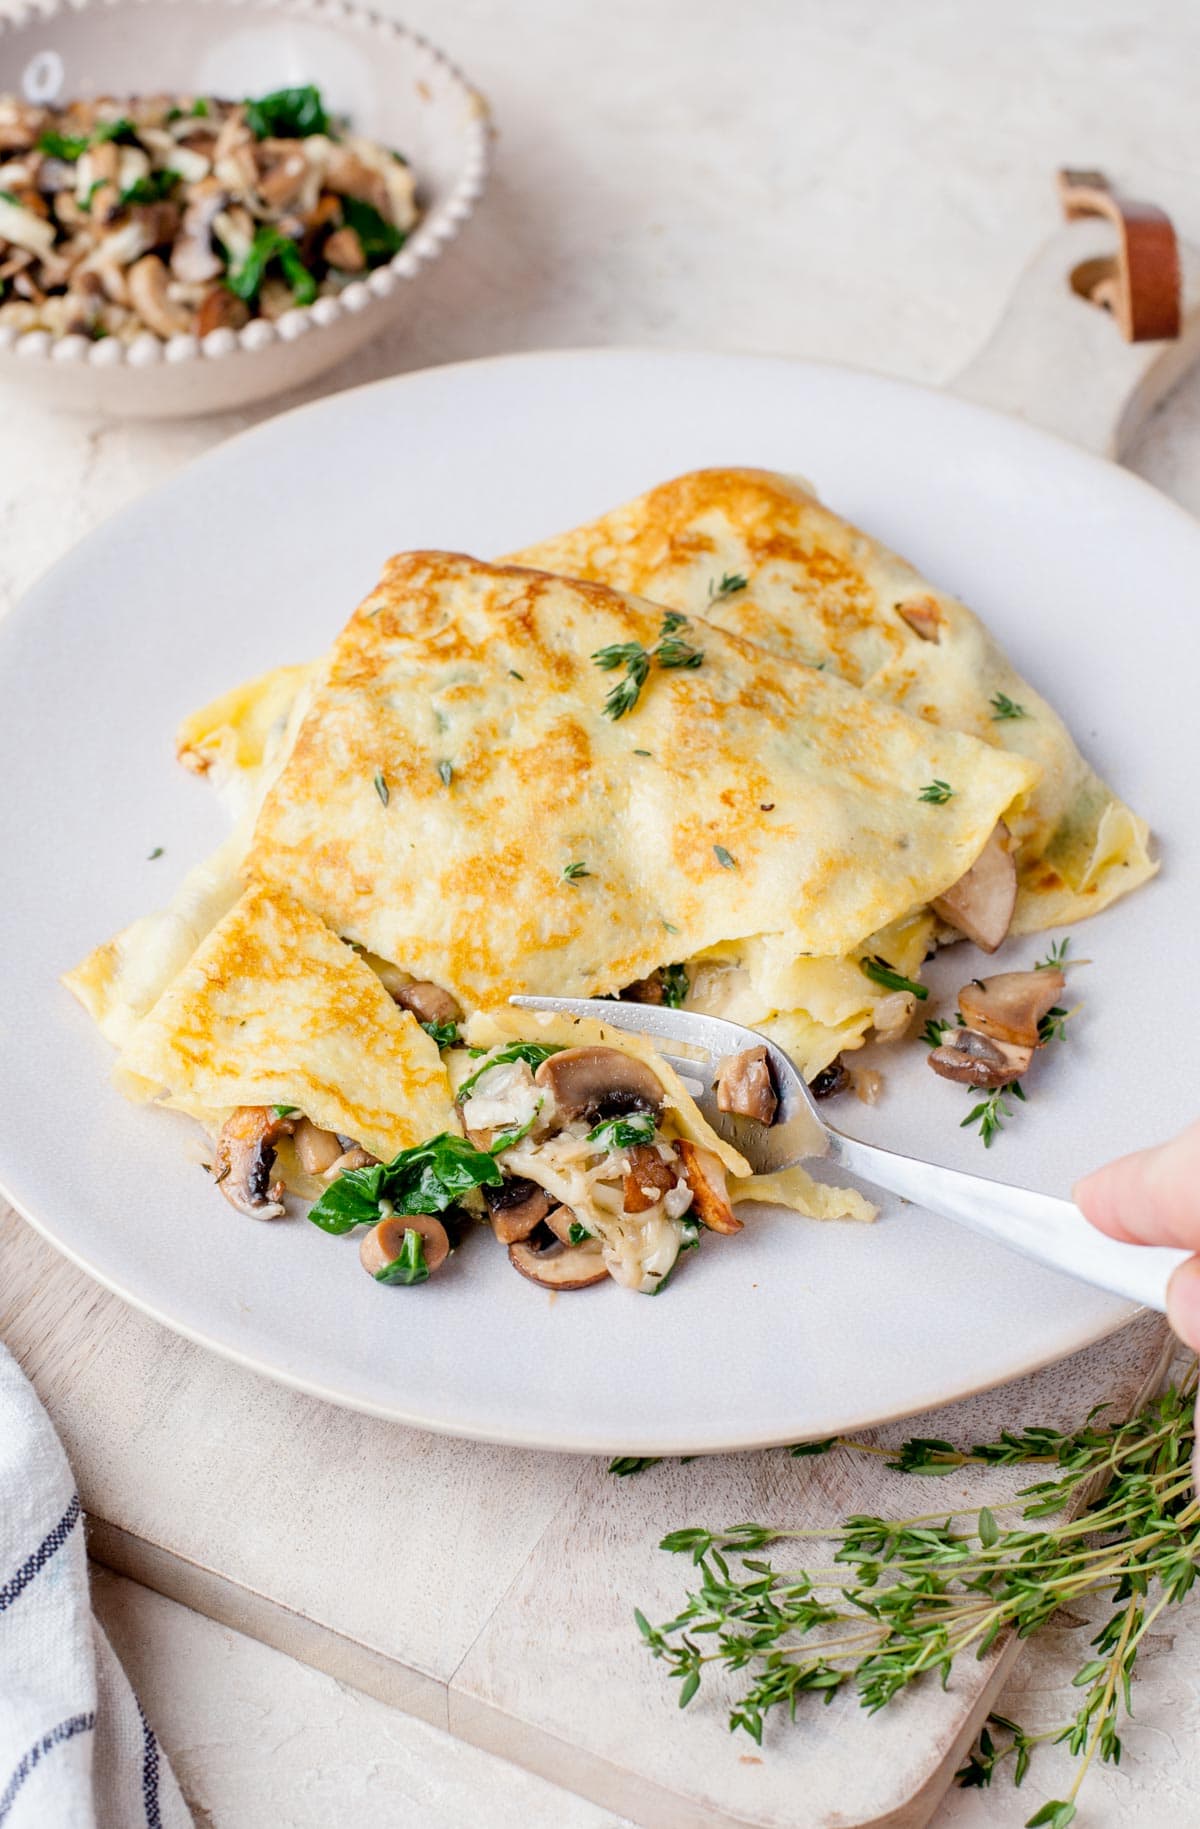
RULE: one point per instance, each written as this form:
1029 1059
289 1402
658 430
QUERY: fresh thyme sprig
992 1110
571 873
901 1598
1005 708
670 651
934 1030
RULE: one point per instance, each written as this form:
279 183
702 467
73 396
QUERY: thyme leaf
936 793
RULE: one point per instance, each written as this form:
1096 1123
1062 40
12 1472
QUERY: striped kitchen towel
76 1751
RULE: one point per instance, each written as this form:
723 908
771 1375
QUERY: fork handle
1041 1226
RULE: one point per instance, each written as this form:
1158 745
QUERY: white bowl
393 86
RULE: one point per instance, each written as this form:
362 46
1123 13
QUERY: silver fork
1041 1226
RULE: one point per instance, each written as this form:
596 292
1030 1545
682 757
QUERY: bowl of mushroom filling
189 223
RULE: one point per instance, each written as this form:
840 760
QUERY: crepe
819 590
457 801
274 1009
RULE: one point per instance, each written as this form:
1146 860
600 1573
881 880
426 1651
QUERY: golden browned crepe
457 801
809 585
273 1009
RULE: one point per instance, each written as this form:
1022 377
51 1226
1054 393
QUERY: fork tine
798 1133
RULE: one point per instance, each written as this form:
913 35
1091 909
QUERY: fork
1041 1226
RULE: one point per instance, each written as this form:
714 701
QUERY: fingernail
1183 1302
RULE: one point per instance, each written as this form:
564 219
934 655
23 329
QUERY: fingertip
1099 1198
1183 1302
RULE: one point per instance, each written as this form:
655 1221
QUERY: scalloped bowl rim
431 235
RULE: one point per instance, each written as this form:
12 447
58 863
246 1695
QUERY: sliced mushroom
383 1244
148 295
1010 1006
317 1150
560 1220
285 170
194 258
600 1083
705 1175
646 1178
354 1158
922 616
981 903
644 990
428 1002
345 251
977 1060
350 177
159 222
559 1266
24 228
20 125
516 1207
245 1157
831 1080
220 309
744 1086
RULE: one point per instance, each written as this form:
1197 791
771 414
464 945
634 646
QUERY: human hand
1153 1198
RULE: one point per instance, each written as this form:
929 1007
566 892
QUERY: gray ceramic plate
793 1329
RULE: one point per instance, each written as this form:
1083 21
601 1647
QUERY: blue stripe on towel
66 1730
45 1549
149 1771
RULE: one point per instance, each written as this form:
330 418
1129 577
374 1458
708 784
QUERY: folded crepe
465 668
758 554
458 801
273 1009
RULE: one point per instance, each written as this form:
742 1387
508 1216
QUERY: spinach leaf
269 244
151 189
622 1133
445 1034
425 1179
123 132
410 1267
533 1052
287 114
379 238
69 146
507 1138
674 985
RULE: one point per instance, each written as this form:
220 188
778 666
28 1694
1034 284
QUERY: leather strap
1141 284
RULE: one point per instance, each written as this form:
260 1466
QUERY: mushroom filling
587 1129
744 1086
180 216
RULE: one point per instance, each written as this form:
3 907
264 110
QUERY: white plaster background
858 181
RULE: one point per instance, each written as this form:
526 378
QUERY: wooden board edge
205 1591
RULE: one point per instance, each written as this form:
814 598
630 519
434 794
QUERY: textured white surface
861 183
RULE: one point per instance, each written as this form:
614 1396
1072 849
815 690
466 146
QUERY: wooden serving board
491 1591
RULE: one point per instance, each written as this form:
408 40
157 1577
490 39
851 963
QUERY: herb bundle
902 1598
